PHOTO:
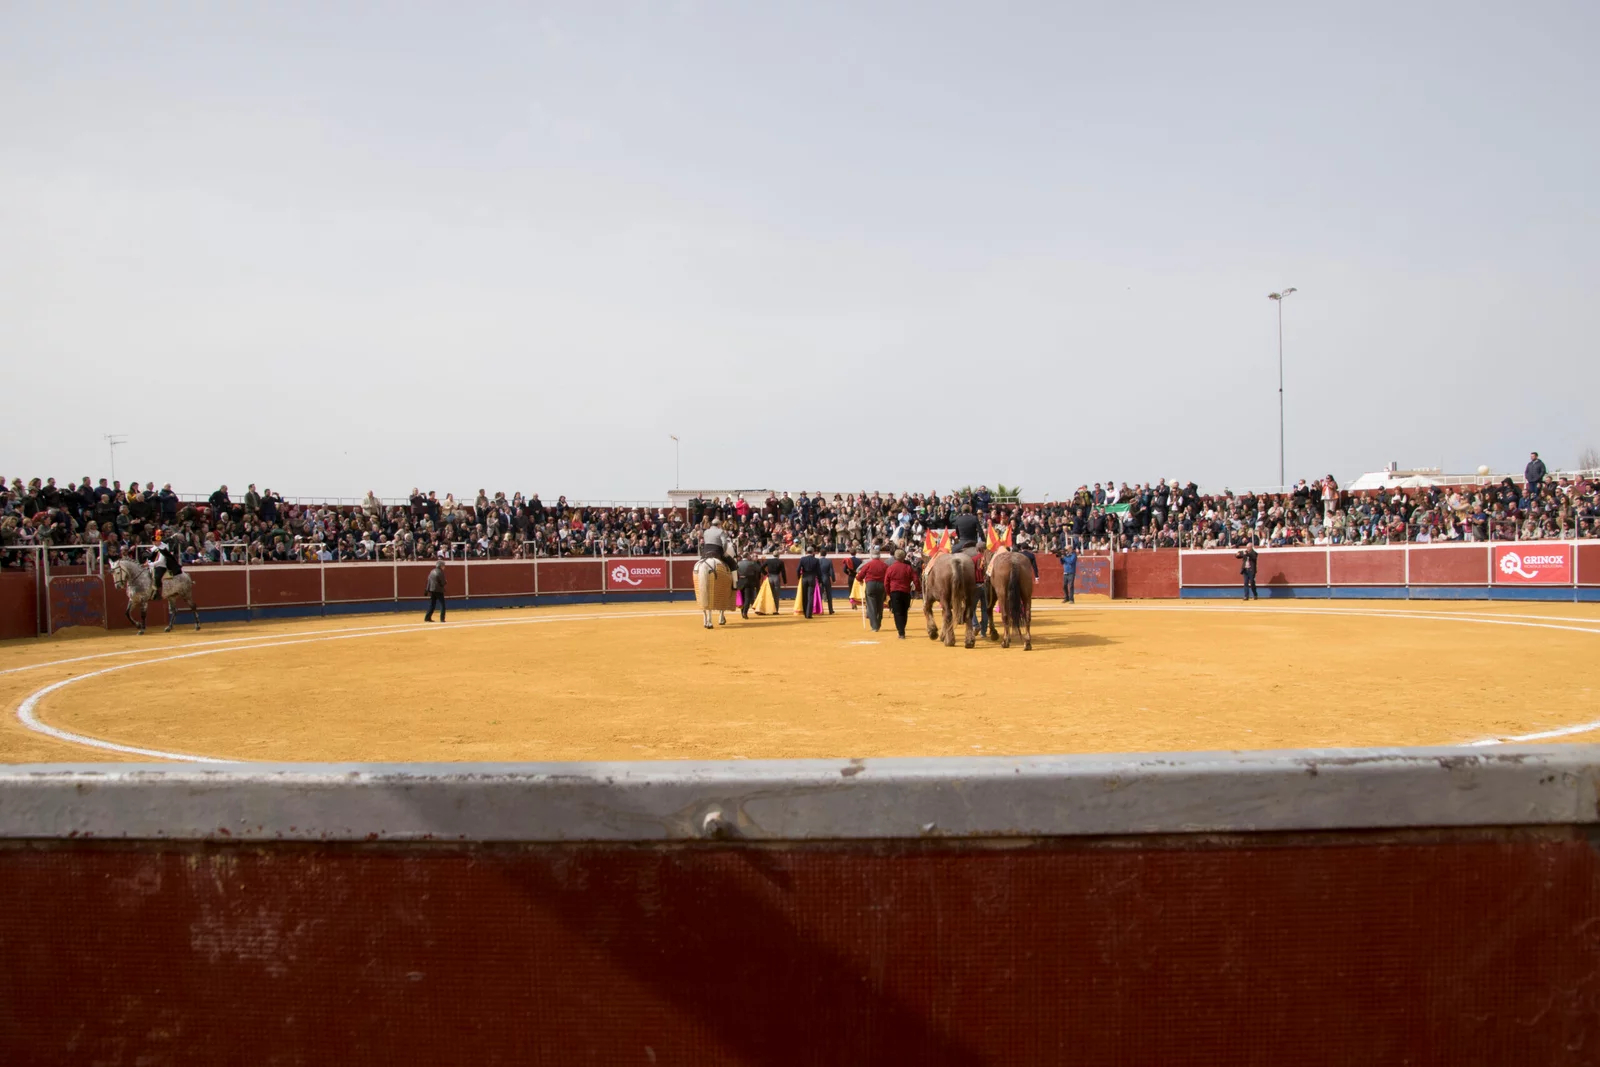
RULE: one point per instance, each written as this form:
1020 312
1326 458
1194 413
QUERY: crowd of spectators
261 528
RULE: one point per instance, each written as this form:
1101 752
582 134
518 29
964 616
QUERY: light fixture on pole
112 441
677 462
1278 298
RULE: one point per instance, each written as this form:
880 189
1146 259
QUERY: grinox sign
640 574
1524 564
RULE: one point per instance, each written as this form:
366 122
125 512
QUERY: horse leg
1005 621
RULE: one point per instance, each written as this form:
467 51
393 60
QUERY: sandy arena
647 682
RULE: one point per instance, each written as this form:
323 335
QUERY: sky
327 247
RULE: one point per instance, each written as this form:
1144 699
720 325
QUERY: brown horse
949 578
1011 579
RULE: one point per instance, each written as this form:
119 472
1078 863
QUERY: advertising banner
641 575
1533 564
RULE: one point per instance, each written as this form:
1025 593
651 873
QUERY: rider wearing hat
163 561
1026 548
714 544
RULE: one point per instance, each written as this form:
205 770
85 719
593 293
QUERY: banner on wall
641 575
1525 564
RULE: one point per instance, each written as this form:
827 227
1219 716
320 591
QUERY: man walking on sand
436 584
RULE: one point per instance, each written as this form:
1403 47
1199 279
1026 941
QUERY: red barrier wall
1588 563
219 587
570 576
1207 568
286 583
501 579
1379 948
1450 565
348 582
19 604
1151 575
1367 566
1288 566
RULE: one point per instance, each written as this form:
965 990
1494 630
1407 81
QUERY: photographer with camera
1247 568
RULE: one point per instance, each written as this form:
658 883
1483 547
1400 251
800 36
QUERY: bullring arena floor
648 682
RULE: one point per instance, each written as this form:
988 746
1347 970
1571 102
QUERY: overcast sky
332 246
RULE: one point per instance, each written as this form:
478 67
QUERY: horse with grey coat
139 585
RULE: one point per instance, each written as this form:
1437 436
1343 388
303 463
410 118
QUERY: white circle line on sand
27 713
397 626
27 710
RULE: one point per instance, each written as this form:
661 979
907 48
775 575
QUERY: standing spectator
1534 473
269 506
436 586
899 579
1069 573
1247 569
872 574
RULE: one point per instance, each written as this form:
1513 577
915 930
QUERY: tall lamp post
1278 298
677 462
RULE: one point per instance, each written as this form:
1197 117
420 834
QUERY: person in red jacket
900 579
872 574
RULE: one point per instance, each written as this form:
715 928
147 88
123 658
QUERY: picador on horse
714 544
713 574
165 561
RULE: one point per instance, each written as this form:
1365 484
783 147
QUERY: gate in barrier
75 600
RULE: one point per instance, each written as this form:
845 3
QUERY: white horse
139 584
713 589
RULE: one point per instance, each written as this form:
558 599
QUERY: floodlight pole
1278 298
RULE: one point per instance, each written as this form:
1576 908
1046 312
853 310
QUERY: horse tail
1014 593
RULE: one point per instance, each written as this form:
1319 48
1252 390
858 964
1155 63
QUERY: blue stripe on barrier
1399 592
411 605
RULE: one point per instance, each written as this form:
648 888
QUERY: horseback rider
163 561
1026 548
714 544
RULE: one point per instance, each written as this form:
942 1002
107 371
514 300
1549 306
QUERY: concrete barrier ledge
799 800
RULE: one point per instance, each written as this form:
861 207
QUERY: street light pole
677 462
1278 298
